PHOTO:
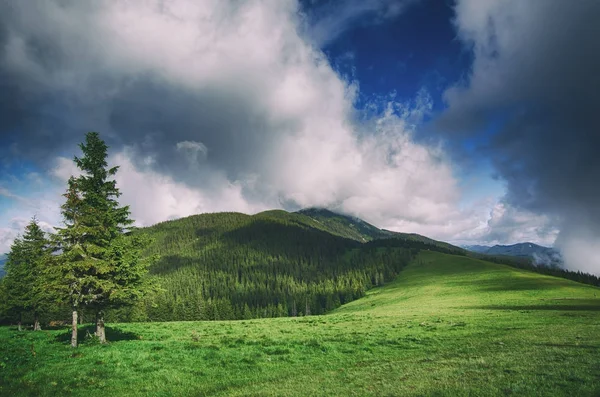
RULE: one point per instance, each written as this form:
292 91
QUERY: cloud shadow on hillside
582 305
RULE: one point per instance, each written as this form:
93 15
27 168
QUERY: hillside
2 262
345 225
436 281
275 263
447 326
357 229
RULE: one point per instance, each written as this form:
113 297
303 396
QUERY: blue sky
437 117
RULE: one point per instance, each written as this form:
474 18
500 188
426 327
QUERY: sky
469 121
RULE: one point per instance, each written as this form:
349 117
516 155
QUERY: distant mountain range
541 255
356 229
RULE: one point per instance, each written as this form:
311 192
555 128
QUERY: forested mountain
344 225
357 229
235 266
275 263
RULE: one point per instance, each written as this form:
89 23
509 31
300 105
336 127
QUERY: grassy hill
447 326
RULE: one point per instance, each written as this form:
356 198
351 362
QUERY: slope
344 225
438 282
448 326
275 263
359 230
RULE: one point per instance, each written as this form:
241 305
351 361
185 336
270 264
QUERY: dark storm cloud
536 75
54 90
232 127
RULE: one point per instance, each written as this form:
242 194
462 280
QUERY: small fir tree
25 285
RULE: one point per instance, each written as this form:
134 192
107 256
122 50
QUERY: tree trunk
19 322
36 322
81 318
100 330
74 329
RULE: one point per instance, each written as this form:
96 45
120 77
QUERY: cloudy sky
472 121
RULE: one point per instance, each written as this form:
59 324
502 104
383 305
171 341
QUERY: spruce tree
100 266
25 283
13 288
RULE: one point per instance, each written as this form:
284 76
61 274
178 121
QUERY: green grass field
448 326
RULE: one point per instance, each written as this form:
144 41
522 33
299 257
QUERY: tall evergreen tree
13 289
25 284
100 266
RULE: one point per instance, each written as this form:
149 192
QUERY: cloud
43 206
327 20
534 87
216 105
510 225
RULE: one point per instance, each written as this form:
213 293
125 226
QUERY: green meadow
447 326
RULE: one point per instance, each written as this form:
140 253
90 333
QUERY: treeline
416 245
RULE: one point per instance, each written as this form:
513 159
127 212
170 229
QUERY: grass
448 326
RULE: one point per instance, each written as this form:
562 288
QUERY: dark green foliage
100 266
344 225
359 230
235 266
24 288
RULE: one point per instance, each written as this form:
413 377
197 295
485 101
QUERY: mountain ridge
539 254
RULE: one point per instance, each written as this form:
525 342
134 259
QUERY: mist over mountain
540 255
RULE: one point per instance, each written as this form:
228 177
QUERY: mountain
344 225
275 263
538 254
481 249
521 249
359 230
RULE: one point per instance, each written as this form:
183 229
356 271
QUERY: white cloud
42 203
529 78
282 127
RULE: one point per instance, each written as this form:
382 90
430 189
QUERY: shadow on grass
509 284
583 306
568 346
85 335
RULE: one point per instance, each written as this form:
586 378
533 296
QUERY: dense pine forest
236 266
